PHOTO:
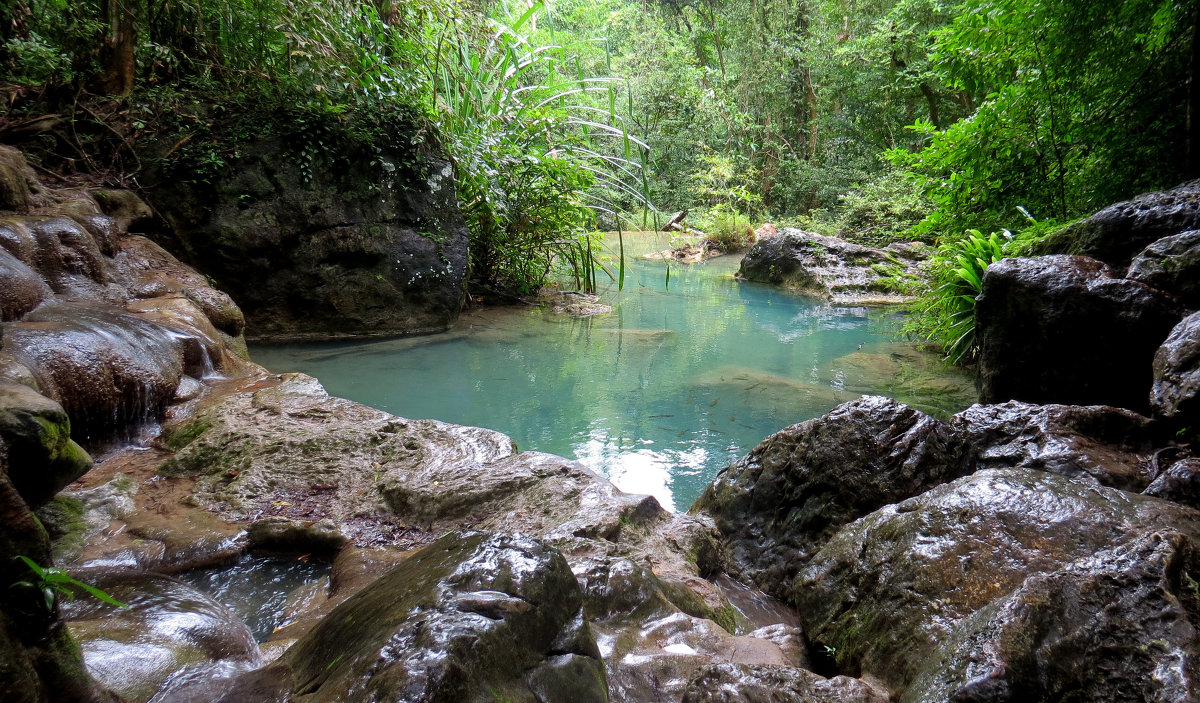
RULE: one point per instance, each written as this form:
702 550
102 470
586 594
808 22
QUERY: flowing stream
683 376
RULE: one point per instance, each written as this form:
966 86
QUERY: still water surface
658 395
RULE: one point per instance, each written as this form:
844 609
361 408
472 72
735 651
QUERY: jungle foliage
875 120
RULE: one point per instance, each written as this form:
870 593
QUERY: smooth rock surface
1110 445
1065 329
1176 373
832 268
472 617
169 629
887 590
1171 264
777 505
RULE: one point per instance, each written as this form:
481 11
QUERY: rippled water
264 592
658 395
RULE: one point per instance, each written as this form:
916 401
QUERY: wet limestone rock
368 241
1171 264
1109 445
39 660
1176 373
473 617
43 458
1119 625
1066 329
170 631
739 683
777 505
889 589
1179 482
833 269
1117 233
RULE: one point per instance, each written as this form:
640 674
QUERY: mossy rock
42 457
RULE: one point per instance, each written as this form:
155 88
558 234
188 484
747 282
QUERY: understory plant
945 314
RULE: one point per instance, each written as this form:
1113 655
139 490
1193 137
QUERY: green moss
179 437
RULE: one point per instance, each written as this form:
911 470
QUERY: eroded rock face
1119 625
472 617
1177 376
832 268
364 244
169 631
1179 482
1110 445
1116 233
777 505
888 589
1065 329
1171 264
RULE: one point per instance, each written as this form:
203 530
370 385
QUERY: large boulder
1066 329
1108 445
887 591
1119 625
169 631
777 505
43 458
473 617
1177 376
1118 232
1171 264
832 268
363 242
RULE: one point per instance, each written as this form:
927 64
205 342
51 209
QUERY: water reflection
658 395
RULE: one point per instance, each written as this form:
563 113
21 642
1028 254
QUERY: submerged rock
888 590
777 505
1110 445
1175 394
1119 625
832 268
170 631
471 618
1065 329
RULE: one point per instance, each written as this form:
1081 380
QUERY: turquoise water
659 394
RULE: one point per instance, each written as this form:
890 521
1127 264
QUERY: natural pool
658 395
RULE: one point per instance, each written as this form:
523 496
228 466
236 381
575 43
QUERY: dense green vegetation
875 120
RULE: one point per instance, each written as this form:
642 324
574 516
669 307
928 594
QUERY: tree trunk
117 53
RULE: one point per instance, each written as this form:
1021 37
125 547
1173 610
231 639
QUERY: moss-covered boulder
42 456
353 238
472 618
778 504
